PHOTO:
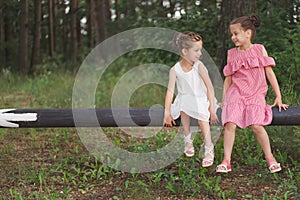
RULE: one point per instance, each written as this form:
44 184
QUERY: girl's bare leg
229 137
208 157
263 140
185 120
205 128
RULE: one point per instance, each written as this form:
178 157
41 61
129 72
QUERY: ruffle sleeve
248 63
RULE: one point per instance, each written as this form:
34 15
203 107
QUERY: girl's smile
240 37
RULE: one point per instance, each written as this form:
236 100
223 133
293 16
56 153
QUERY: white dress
192 94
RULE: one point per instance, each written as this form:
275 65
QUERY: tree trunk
117 7
23 39
100 15
8 37
50 27
64 30
73 7
79 38
230 9
172 7
55 23
2 41
100 20
35 59
107 13
160 9
91 23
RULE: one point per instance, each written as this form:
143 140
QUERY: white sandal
224 167
208 150
188 139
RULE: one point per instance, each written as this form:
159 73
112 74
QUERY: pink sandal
273 165
224 167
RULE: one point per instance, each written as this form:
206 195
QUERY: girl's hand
280 104
214 118
169 121
221 104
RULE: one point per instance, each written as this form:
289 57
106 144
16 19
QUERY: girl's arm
274 83
168 120
227 83
210 92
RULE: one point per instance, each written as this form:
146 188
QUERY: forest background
44 42
57 35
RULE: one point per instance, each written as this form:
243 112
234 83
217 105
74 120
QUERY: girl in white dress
195 96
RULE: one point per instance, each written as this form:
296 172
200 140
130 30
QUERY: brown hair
248 22
184 40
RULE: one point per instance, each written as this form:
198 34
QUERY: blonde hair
184 40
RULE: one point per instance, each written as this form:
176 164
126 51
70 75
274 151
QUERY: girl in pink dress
195 96
245 87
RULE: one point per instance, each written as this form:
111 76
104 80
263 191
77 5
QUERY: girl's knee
230 126
257 128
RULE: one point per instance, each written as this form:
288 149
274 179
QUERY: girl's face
194 53
239 36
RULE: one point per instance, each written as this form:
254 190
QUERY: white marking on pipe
6 119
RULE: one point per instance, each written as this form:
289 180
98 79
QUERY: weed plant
54 164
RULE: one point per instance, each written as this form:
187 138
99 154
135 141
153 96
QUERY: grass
48 163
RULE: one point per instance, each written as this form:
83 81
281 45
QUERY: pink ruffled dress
245 102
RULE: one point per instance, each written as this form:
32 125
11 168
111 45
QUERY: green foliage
66 173
41 91
279 32
54 164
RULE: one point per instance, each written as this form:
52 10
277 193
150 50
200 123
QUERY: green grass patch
48 163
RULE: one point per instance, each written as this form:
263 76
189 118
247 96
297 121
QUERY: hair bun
177 38
255 20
